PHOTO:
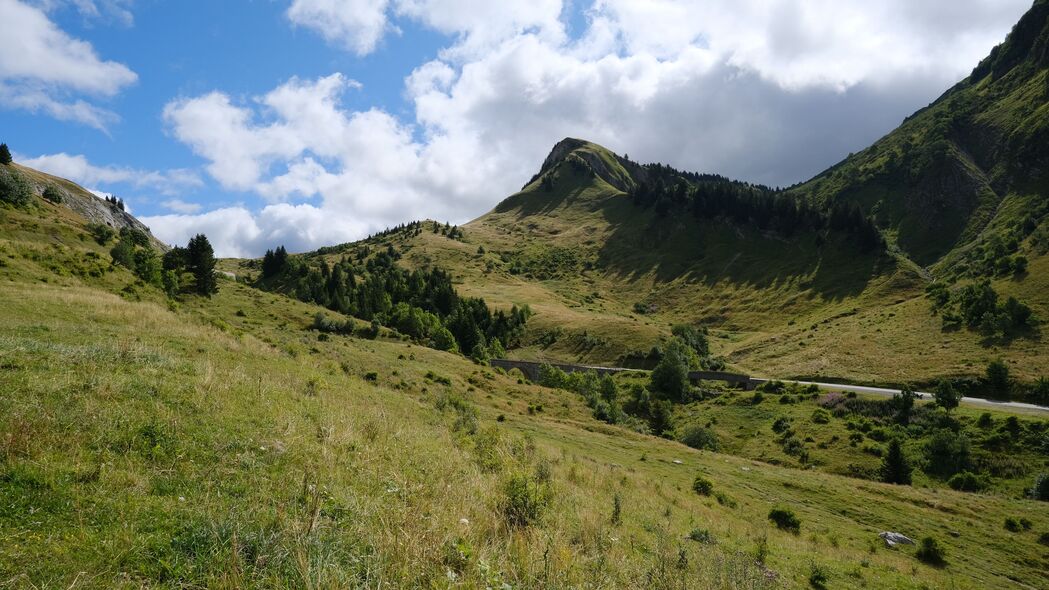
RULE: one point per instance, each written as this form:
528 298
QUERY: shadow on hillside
713 252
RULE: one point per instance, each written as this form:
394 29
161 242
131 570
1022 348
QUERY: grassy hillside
606 280
220 442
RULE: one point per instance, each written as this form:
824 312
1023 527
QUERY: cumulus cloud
357 25
78 169
771 92
42 68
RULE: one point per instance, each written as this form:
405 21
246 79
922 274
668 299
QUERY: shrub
52 195
967 481
1040 490
13 187
785 520
817 576
670 377
1044 538
101 232
524 501
997 378
698 437
1012 525
947 453
725 500
781 425
820 416
701 536
702 486
930 552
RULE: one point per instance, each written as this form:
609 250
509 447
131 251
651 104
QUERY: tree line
419 303
710 196
179 270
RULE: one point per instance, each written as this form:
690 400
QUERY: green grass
219 442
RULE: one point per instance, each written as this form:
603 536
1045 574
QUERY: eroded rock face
84 203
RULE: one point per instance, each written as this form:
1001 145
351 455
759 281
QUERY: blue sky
310 122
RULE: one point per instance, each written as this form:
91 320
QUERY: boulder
893 539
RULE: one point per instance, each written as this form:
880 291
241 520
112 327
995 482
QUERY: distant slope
82 202
970 168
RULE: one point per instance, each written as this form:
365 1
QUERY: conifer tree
5 154
201 262
895 468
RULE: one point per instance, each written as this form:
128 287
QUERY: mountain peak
605 164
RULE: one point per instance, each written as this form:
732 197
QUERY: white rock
893 539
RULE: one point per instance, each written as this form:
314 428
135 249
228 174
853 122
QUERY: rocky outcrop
86 204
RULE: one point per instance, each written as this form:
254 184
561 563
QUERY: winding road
922 395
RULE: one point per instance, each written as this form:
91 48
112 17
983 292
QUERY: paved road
969 401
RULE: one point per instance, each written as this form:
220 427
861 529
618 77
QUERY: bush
820 416
698 437
1012 525
524 501
1044 538
670 377
52 195
817 576
701 536
702 486
1040 491
931 552
13 187
101 232
785 520
968 481
947 453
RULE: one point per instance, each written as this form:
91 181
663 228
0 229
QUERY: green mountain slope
970 169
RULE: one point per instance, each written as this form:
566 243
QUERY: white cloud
183 207
237 232
358 25
41 66
78 169
771 92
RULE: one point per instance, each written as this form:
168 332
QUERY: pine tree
946 396
201 262
5 154
895 468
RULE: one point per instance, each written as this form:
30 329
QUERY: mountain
151 436
970 169
162 439
825 279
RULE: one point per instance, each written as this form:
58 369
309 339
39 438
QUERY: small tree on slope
201 262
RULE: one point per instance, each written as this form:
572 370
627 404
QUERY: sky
315 122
